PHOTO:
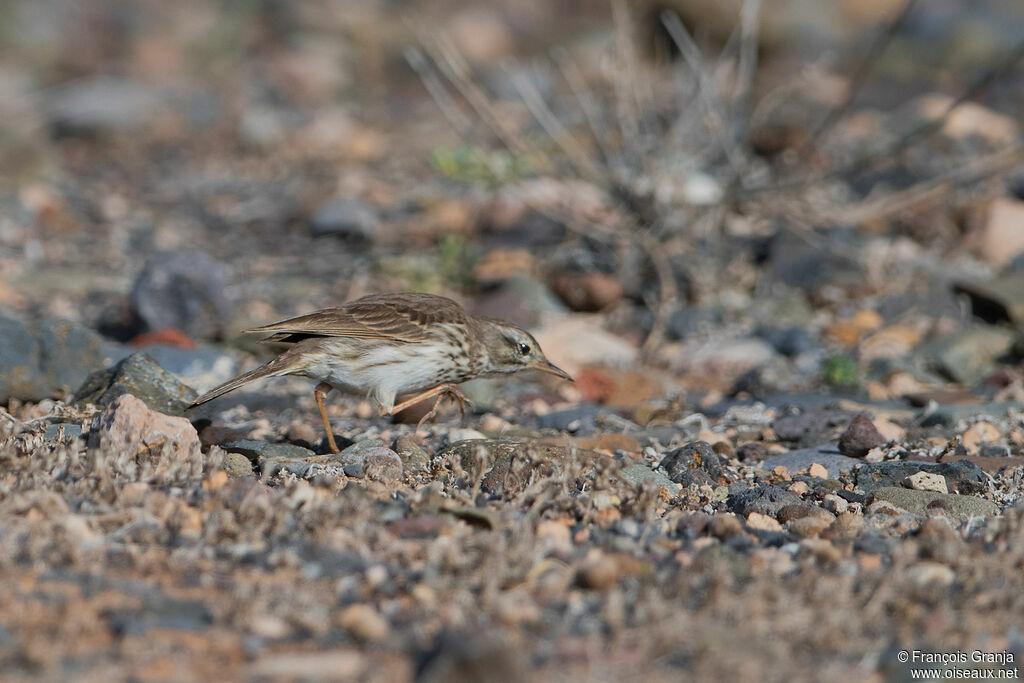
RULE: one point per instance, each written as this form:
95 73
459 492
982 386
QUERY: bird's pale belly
382 373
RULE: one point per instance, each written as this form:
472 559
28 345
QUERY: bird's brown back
400 318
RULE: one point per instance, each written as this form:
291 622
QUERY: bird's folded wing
362 321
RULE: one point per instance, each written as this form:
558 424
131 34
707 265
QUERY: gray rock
414 458
639 474
926 502
183 290
970 354
256 450
348 218
962 476
140 376
383 464
811 427
765 499
102 106
826 455
39 359
358 451
580 419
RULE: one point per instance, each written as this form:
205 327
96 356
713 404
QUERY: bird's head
511 349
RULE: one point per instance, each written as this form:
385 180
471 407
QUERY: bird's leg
320 393
440 392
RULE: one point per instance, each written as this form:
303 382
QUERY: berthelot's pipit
385 345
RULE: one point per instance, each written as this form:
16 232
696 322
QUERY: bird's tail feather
275 367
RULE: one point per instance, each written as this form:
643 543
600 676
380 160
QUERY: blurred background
761 197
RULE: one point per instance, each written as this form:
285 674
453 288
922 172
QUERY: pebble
237 465
860 437
599 572
767 500
364 622
639 474
414 459
926 481
810 526
128 422
930 575
979 434
755 520
724 525
835 504
817 470
383 465
798 487
303 432
693 463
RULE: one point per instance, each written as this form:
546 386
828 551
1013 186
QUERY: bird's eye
524 349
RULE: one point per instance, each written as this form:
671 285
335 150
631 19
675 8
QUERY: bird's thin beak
550 368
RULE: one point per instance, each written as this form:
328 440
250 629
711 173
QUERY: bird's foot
451 391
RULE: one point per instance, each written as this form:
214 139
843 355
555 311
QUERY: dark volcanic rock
183 290
860 437
809 428
39 359
767 500
694 463
962 476
140 376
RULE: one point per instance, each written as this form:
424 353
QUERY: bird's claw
452 392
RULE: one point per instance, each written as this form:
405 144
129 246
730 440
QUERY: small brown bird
384 345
